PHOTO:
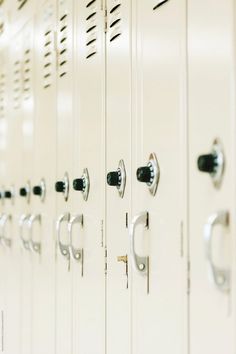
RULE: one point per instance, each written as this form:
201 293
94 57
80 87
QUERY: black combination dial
37 190
207 163
78 184
114 178
60 186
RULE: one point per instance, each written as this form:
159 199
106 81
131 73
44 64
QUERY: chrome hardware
76 253
64 249
34 246
26 191
150 174
23 219
118 178
83 184
3 221
40 190
220 277
213 163
139 264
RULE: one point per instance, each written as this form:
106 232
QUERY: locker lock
62 186
150 174
25 191
8 194
118 178
40 189
213 163
82 184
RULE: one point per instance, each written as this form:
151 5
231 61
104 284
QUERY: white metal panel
211 115
89 127
43 292
118 208
159 74
64 164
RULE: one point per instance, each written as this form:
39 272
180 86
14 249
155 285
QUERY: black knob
207 163
144 174
7 194
59 186
113 178
78 184
23 192
37 190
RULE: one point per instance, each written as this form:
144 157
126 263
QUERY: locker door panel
211 116
159 219
43 194
118 157
89 289
24 99
64 165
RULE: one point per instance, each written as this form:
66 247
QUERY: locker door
24 98
156 232
118 157
3 153
87 218
43 194
211 194
64 163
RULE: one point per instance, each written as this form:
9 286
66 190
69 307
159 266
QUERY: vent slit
115 8
114 37
160 4
114 22
90 29
90 16
90 3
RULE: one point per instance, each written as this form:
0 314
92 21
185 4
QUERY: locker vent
91 28
62 46
48 58
16 84
115 22
2 94
160 3
26 74
21 3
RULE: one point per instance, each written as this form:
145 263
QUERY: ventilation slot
2 95
48 58
160 3
91 28
62 46
27 74
21 3
115 22
16 84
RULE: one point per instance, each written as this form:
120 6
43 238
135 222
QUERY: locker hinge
188 278
105 261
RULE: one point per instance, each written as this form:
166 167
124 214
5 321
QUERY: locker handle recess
23 219
139 263
76 253
34 246
64 249
220 277
4 240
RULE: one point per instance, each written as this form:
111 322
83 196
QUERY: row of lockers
117 168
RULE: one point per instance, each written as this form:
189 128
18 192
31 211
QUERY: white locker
24 101
43 194
157 230
211 47
65 39
118 159
87 223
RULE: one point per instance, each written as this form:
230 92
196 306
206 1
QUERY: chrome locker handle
77 253
64 249
25 242
139 263
220 277
34 246
3 221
